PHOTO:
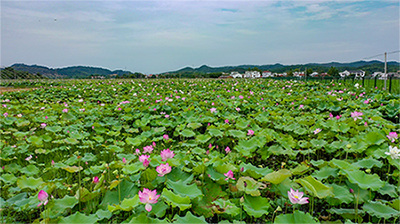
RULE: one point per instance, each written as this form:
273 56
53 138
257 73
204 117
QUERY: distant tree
290 73
309 71
333 71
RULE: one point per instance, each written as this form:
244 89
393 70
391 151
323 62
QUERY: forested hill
73 71
368 66
97 72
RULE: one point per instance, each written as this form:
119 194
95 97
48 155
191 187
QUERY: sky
159 36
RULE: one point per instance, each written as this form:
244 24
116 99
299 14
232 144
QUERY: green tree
309 71
333 71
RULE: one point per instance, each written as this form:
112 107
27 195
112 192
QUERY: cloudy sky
160 36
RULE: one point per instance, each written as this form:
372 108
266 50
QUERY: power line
393 52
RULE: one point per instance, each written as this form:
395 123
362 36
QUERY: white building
236 75
314 74
266 74
344 74
252 74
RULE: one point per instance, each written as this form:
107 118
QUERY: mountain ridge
81 71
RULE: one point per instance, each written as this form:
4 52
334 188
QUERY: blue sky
160 36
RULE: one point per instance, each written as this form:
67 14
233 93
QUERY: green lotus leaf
114 148
99 139
215 132
148 175
22 123
103 214
71 141
374 138
203 138
194 125
19 134
380 210
296 217
344 127
368 163
159 209
395 204
277 176
237 134
242 124
30 182
8 178
227 207
138 140
255 172
79 218
61 204
189 218
37 141
128 204
179 187
389 189
143 218
325 172
133 168
187 133
315 187
249 186
30 170
176 200
300 169
225 167
318 143
256 206
53 129
343 165
341 195
73 169
363 180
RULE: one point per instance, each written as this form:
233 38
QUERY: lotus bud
351 191
241 200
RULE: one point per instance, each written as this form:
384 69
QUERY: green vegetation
95 151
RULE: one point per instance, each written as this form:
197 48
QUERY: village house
266 74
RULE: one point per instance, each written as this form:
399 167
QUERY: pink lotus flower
318 130
65 110
338 117
5 114
43 196
163 169
330 115
95 180
227 121
356 115
167 154
154 144
250 132
212 110
229 175
147 149
28 158
210 146
142 158
43 125
301 106
392 136
237 109
46 117
137 151
52 162
227 150
166 137
124 160
148 197
296 197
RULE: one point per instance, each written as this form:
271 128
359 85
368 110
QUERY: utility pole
385 68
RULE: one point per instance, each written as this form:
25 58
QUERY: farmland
198 151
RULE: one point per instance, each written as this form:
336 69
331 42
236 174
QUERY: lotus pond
199 151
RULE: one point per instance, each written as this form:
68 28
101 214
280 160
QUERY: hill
368 66
70 72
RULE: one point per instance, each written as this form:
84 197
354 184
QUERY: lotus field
199 151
